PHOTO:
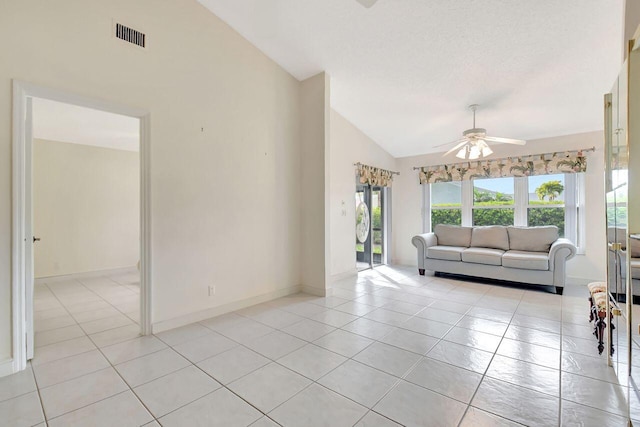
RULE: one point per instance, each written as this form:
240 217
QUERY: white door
30 239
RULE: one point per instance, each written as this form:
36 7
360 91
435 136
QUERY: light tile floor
388 348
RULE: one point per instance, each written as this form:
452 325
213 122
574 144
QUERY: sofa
531 255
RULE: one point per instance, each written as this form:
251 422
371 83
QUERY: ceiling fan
367 3
473 144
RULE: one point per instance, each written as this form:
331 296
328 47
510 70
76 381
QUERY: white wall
225 149
407 200
348 146
314 107
86 208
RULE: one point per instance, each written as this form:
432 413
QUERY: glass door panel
371 233
363 227
377 225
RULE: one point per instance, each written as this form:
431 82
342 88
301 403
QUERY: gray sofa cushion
493 236
635 268
483 256
453 235
447 253
634 245
532 239
526 260
616 234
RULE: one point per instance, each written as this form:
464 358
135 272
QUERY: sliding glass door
363 227
370 226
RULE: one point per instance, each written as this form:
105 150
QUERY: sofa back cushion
634 245
492 236
532 239
453 235
619 235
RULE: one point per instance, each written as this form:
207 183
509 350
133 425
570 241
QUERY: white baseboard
343 275
318 292
198 316
89 274
6 367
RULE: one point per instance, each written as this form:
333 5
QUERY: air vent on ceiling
130 35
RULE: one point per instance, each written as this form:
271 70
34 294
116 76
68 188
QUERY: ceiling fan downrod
473 108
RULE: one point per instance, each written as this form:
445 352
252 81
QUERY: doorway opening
372 219
80 241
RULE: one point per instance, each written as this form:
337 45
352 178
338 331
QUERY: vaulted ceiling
404 71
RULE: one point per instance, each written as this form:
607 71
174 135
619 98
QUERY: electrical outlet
212 290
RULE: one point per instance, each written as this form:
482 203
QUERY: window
617 199
523 201
546 201
446 203
493 201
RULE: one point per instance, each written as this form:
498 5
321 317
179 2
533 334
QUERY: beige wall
225 150
348 146
86 208
407 201
314 107
631 22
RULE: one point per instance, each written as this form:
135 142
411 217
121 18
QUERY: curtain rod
362 164
584 150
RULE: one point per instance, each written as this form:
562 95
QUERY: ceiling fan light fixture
367 3
462 154
486 151
474 152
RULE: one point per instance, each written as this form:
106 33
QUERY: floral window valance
374 176
539 164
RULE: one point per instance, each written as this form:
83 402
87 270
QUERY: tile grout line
64 306
44 413
442 339
484 375
210 376
398 379
103 355
375 340
297 373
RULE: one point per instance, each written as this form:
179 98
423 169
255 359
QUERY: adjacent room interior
185 183
86 222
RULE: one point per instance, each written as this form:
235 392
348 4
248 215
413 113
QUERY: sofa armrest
561 251
425 240
422 242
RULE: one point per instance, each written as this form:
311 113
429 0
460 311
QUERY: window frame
573 204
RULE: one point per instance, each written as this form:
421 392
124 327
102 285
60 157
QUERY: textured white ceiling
404 71
57 121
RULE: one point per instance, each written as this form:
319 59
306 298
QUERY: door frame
22 218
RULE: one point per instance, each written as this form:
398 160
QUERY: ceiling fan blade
450 143
463 142
505 140
367 3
